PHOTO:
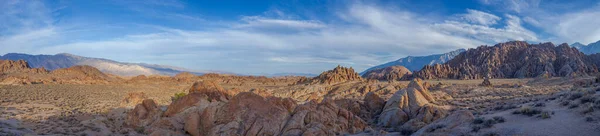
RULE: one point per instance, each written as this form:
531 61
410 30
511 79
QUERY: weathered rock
184 76
324 118
133 98
393 73
187 101
143 114
514 59
245 114
210 88
337 75
413 103
374 103
19 66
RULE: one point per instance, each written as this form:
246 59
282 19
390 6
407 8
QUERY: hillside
415 63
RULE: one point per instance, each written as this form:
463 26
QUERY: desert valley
512 88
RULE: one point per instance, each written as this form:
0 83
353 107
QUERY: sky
288 36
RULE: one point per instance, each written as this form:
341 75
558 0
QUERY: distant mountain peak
414 63
587 49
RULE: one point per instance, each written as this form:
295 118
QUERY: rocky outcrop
515 59
143 114
19 66
337 75
393 73
83 72
201 93
246 114
210 88
133 98
413 107
184 76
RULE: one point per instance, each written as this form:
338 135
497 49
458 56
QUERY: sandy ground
564 122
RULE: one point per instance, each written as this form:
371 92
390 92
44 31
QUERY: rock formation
410 106
19 66
337 75
143 114
211 89
245 114
133 98
514 59
393 73
81 73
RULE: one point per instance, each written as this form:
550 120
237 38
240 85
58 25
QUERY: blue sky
290 36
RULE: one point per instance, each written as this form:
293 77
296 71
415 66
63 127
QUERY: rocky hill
65 60
19 72
337 75
19 66
393 73
514 59
415 63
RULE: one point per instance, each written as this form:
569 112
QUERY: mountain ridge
66 60
415 63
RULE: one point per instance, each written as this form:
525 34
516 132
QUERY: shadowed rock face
337 75
515 59
393 73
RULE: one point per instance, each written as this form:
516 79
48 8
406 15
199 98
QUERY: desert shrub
177 96
491 134
589 119
587 99
573 106
587 110
489 123
499 119
539 104
527 111
475 128
478 120
140 130
576 95
406 131
545 115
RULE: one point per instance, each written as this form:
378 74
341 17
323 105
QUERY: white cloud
481 18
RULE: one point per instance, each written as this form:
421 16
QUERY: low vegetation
177 96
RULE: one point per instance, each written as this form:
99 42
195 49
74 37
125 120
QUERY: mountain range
516 59
588 49
65 60
415 63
